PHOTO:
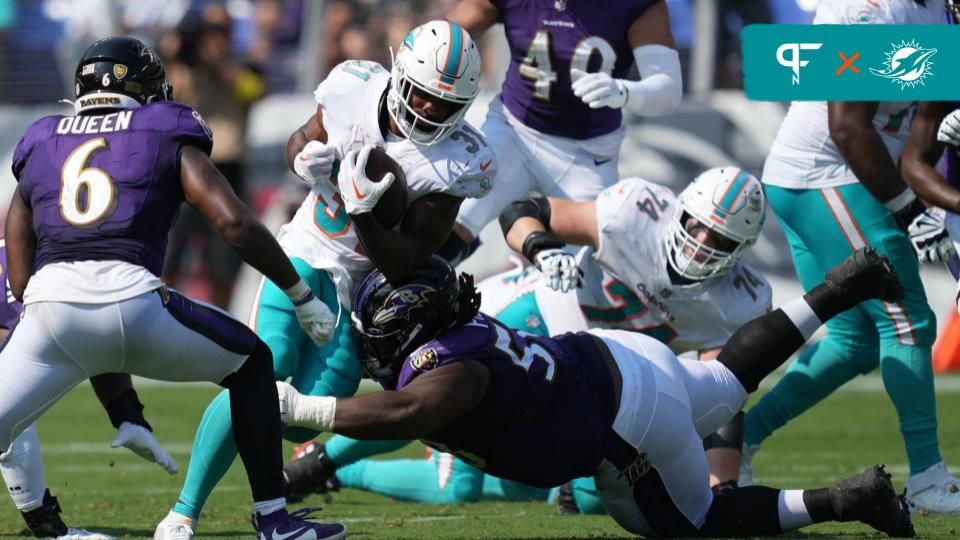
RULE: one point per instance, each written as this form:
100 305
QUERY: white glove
142 443
929 237
359 193
559 268
950 129
315 162
598 89
317 320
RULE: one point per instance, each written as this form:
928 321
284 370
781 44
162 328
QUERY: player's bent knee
259 365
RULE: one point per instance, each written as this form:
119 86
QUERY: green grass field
114 491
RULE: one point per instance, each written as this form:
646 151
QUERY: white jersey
803 155
626 285
321 232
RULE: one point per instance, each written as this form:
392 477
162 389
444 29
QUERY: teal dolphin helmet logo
907 64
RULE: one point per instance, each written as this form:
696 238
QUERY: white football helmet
727 200
441 59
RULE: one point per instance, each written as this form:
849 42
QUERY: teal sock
345 451
585 494
508 490
213 452
814 375
413 480
908 378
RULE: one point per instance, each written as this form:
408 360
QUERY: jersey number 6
88 195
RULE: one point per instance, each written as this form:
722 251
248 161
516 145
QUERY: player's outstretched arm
539 228
21 244
921 154
423 230
429 403
210 193
851 128
475 16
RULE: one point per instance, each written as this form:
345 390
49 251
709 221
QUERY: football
392 205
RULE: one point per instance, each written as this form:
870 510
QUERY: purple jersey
547 39
9 307
549 400
106 186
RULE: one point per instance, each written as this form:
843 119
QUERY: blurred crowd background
249 67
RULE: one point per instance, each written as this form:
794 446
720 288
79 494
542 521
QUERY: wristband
299 294
900 202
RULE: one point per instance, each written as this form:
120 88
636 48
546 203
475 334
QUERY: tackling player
832 181
657 264
609 403
97 193
557 121
416 113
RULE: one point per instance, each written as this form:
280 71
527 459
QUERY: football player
22 466
558 119
96 196
654 263
935 135
831 178
614 404
416 113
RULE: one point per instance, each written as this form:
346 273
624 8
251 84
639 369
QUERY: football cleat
281 525
934 491
566 504
175 527
310 471
45 522
865 275
869 497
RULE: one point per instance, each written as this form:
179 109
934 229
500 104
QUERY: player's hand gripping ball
372 181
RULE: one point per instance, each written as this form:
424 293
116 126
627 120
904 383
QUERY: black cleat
45 521
566 504
865 275
310 471
869 497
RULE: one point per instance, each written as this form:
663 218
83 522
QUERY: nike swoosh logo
483 166
284 536
599 162
359 196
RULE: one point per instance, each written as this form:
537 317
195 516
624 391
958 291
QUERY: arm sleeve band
538 209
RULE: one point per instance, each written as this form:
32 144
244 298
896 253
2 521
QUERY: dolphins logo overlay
907 64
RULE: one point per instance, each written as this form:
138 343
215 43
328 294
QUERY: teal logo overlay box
867 62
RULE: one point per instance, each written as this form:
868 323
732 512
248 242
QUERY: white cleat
83 534
175 527
746 464
934 491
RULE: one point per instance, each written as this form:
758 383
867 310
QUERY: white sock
802 316
22 470
268 507
792 510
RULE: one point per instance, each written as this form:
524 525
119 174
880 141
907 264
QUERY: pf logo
794 62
